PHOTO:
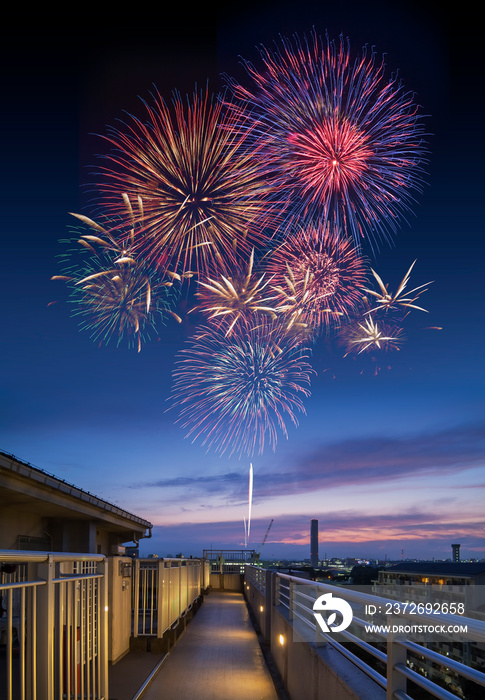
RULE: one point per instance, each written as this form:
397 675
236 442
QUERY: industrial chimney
314 544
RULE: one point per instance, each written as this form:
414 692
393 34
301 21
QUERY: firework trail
335 135
235 392
234 299
316 278
198 179
250 499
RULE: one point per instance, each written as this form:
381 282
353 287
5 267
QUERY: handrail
290 595
19 557
476 627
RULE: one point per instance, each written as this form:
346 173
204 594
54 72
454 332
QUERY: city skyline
390 453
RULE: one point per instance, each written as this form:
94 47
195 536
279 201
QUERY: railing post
396 654
160 594
45 631
179 571
31 613
290 600
103 632
136 596
269 595
320 639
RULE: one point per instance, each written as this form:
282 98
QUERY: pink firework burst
338 138
316 277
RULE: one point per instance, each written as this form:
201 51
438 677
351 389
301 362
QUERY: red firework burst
317 277
332 159
338 138
198 181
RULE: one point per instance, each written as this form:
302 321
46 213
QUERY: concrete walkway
218 657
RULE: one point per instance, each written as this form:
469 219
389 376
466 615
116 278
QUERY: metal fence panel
163 590
54 629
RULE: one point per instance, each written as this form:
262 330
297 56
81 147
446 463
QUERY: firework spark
317 277
122 238
199 182
336 135
388 301
369 335
234 393
117 238
235 299
118 303
115 295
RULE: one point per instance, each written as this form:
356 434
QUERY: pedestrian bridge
89 627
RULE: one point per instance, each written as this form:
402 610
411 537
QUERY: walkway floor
218 657
128 675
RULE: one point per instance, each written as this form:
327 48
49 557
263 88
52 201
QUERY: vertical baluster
103 607
77 642
136 597
45 631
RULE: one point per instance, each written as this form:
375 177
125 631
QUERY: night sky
388 461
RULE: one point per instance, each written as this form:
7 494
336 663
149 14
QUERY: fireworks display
200 184
267 195
317 277
234 393
336 137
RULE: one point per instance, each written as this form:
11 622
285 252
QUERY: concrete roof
451 568
56 497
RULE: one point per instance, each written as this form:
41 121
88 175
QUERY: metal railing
256 576
53 626
163 591
226 561
295 597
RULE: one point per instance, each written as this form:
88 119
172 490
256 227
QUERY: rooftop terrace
86 626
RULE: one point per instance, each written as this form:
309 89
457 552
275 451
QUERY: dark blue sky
385 462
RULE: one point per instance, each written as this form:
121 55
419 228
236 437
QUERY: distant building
39 512
314 544
456 552
434 573
446 582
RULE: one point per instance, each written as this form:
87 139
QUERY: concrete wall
308 671
257 603
14 521
226 582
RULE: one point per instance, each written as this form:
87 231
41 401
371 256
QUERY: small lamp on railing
281 639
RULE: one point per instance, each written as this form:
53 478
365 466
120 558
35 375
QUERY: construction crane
258 553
